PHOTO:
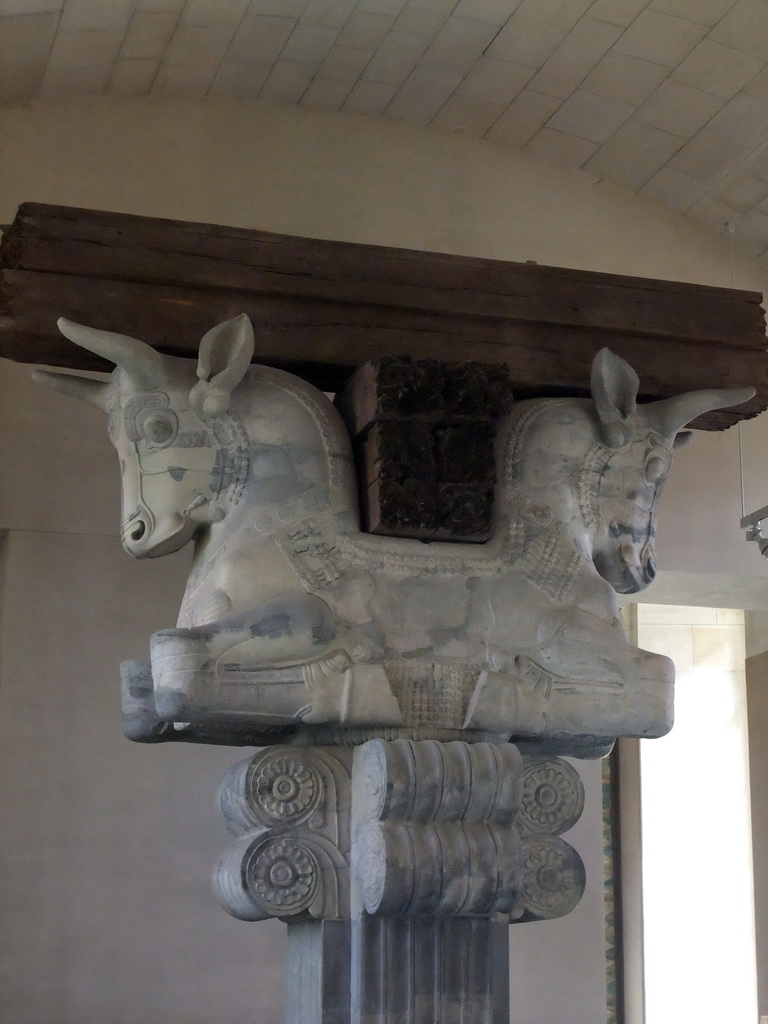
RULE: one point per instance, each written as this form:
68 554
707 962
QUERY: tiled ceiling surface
668 98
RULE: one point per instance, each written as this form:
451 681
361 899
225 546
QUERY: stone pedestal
398 866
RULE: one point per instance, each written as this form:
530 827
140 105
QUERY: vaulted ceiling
668 98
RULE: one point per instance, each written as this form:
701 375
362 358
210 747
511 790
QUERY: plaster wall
756 633
111 843
348 177
107 846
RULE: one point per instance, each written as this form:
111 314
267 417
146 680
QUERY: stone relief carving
386 676
289 807
553 880
399 828
553 796
293 619
433 830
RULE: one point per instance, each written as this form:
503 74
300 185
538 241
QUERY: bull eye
159 429
654 470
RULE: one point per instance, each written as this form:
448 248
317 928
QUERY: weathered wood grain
322 308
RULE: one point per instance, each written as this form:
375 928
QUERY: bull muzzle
638 570
144 535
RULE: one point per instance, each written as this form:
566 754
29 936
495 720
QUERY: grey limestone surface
293 618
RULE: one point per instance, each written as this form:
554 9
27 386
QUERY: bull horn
671 414
93 391
140 361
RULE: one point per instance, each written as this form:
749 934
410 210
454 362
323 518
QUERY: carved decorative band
438 870
425 781
553 796
427 828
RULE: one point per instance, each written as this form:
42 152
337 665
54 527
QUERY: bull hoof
141 722
327 681
507 703
534 675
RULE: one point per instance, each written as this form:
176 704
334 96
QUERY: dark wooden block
424 390
477 391
464 454
398 451
423 433
393 388
401 508
464 511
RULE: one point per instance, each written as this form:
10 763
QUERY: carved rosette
285 788
553 879
280 786
283 875
553 796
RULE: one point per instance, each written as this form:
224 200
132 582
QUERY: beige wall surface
107 846
110 844
698 525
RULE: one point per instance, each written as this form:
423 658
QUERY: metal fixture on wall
753 524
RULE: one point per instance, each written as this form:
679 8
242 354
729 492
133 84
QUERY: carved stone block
298 625
410 970
290 808
398 970
294 619
399 828
436 833
398 867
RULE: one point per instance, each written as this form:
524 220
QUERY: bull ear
225 354
93 391
614 390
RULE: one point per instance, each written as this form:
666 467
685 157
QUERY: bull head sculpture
175 442
638 443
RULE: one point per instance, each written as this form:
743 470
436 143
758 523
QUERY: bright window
698 907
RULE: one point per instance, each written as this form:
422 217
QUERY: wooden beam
322 308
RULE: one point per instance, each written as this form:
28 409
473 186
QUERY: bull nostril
138 531
649 562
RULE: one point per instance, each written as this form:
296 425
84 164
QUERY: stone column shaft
398 970
414 970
